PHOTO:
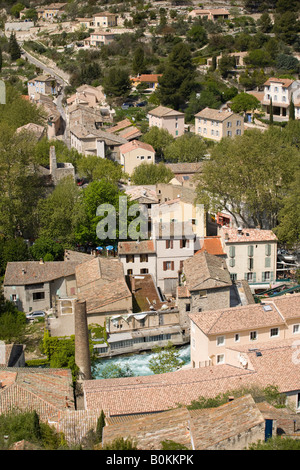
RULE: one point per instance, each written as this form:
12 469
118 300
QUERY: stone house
105 20
37 285
101 284
99 38
205 283
224 335
134 153
251 254
90 141
212 14
168 119
47 391
138 257
232 426
87 95
42 84
52 11
215 124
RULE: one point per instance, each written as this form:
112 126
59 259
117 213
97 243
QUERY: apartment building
134 153
217 335
215 124
168 119
251 254
280 91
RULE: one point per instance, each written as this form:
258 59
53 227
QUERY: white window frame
254 334
237 338
296 329
272 332
220 359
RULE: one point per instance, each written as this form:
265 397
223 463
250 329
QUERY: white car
35 315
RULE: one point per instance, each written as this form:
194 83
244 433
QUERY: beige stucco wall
173 124
259 256
138 265
216 130
136 157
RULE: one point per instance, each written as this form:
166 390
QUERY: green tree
100 426
93 168
288 229
47 246
244 102
165 359
286 26
12 326
159 139
292 109
186 148
16 9
276 443
14 48
178 80
56 218
121 444
116 82
197 35
254 188
226 64
20 182
1 59
265 23
113 371
138 61
151 173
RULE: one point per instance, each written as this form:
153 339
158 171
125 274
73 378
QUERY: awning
119 337
162 330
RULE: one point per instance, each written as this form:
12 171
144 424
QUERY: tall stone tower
82 353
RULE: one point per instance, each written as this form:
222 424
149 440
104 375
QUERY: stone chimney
82 352
52 160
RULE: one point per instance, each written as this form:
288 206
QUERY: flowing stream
138 363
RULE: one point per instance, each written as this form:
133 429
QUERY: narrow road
61 80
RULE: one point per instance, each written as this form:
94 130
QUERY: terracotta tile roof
148 78
44 390
134 395
286 82
212 245
136 144
236 319
185 168
214 114
30 272
162 111
247 235
101 283
144 246
206 271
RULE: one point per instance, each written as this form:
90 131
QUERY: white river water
138 363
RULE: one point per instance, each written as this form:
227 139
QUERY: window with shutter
268 250
232 251
250 250
267 262
232 262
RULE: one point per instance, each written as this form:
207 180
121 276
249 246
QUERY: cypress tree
1 60
292 110
14 48
271 112
100 426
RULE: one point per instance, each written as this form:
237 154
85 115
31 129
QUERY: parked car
34 315
127 105
141 103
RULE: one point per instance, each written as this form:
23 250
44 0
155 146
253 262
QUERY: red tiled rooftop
212 245
247 235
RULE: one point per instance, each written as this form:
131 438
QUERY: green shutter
263 277
272 276
254 277
246 276
232 251
268 250
250 250
267 262
232 262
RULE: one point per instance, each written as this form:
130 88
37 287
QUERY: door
268 429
